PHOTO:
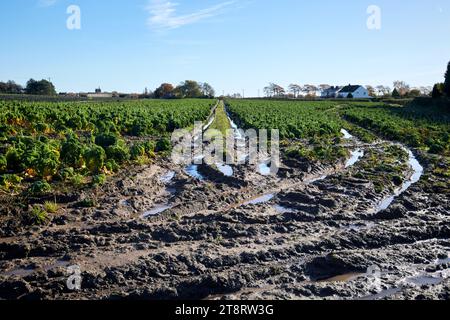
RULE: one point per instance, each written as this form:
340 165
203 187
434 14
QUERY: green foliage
438 91
417 125
66 174
42 87
40 188
118 153
94 157
10 87
71 151
111 165
38 216
447 81
9 181
99 180
137 151
14 160
51 207
106 140
221 122
77 180
163 145
188 89
46 162
396 94
3 164
71 140
294 119
86 203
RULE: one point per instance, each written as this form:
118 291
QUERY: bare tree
383 90
279 90
402 87
309 89
371 90
269 90
426 91
295 89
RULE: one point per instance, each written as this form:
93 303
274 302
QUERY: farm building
331 92
357 92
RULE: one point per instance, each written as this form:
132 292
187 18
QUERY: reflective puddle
346 134
259 200
192 171
356 155
418 172
225 169
264 169
156 210
281 209
168 177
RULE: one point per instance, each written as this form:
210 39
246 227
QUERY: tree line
442 89
400 90
186 89
33 87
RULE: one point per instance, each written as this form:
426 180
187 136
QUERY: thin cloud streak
47 3
163 14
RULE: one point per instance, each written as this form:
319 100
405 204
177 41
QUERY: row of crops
320 122
418 126
313 128
292 119
80 142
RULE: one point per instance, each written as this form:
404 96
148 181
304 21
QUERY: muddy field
313 231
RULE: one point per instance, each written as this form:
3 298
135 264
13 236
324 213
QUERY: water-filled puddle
356 155
425 280
321 178
124 203
192 171
25 272
443 261
225 169
19 272
360 226
264 169
156 210
346 134
263 199
168 177
344 277
418 172
208 124
383 294
281 209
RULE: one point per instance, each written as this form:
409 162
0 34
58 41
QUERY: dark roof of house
350 88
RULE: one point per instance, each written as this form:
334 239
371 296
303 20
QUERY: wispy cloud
163 14
46 3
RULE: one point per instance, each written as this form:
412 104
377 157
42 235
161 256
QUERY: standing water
418 172
346 134
355 157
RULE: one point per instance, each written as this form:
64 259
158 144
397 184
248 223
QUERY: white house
357 92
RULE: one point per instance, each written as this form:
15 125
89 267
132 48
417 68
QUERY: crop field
69 141
92 184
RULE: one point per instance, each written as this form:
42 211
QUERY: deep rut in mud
202 232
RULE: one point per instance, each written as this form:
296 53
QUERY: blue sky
127 45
